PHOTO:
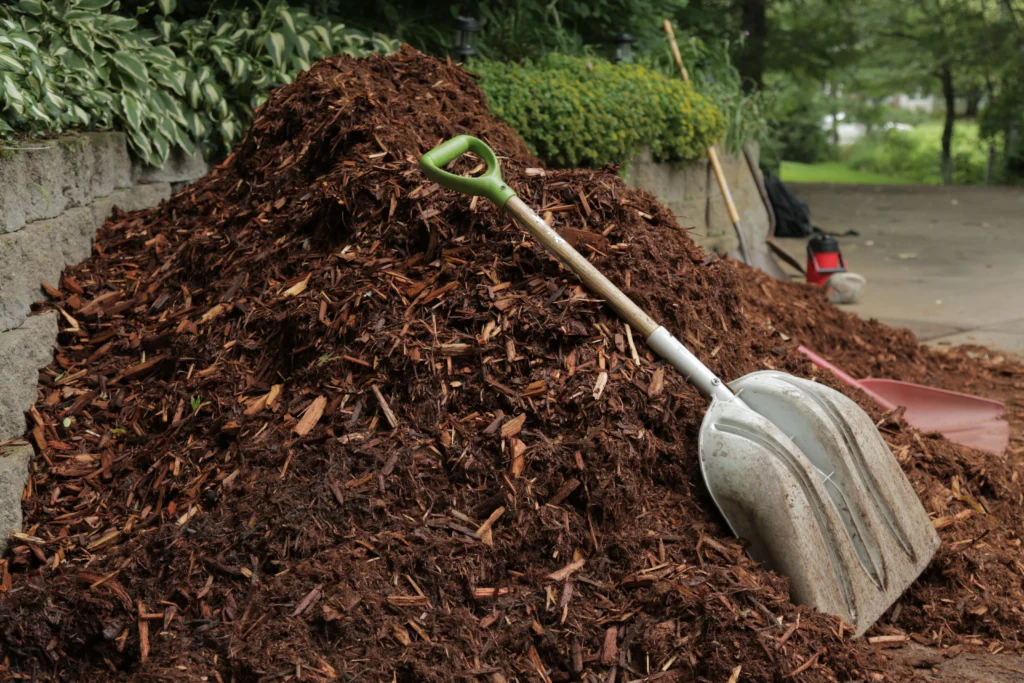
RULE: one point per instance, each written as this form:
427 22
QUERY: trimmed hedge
576 111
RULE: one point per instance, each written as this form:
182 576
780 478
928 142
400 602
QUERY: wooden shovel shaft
591 276
657 337
730 206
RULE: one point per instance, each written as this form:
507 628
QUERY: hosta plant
74 63
80 64
237 56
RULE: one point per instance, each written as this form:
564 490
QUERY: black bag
792 216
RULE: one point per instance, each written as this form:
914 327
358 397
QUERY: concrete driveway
946 262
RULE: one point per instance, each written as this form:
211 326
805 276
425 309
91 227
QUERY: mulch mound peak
317 418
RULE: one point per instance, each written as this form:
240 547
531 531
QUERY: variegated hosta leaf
195 93
81 40
33 7
18 42
274 45
167 6
93 4
12 93
9 62
132 110
130 65
211 93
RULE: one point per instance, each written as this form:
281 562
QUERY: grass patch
835 172
917 154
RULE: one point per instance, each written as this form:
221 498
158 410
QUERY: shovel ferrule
671 349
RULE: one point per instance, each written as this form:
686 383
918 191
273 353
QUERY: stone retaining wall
54 195
691 192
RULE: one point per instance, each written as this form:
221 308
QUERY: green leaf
38 112
274 45
287 17
54 100
80 114
230 130
33 7
241 70
81 40
181 139
142 146
303 47
325 37
10 63
75 61
167 6
130 65
16 42
161 147
212 93
119 24
14 95
132 110
161 55
170 79
195 93
93 4
80 16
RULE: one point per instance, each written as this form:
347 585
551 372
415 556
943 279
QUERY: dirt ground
944 262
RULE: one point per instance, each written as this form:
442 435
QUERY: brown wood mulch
316 418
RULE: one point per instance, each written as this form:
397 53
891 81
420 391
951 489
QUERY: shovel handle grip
489 185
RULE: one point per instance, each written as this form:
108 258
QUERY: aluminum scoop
797 469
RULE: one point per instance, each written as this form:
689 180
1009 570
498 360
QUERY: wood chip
392 420
657 384
310 598
311 416
513 426
567 571
518 448
610 648
298 288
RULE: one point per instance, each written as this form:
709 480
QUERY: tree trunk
973 104
947 130
751 62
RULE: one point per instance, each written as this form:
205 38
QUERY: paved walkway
948 263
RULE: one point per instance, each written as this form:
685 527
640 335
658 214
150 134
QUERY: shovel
964 419
797 469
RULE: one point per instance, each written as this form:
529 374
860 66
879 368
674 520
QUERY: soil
317 418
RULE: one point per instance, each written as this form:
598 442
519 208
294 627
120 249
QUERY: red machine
823 259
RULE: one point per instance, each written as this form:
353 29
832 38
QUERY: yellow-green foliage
575 111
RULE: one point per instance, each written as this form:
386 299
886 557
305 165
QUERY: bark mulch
317 418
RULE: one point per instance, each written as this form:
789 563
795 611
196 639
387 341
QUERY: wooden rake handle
723 185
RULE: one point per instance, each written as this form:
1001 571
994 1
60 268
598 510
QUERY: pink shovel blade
964 419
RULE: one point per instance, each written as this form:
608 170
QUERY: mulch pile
317 418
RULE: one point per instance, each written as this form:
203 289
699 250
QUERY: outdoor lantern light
466 29
623 47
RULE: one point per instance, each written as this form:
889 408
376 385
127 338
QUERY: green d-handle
488 185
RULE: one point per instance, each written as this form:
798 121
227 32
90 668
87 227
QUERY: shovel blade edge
801 473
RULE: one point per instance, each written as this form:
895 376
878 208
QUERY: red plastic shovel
962 418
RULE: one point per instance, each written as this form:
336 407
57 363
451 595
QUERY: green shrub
588 112
79 64
714 75
796 110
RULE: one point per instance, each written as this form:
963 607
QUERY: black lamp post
466 29
623 48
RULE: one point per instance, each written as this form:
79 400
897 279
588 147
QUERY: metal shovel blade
801 473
